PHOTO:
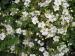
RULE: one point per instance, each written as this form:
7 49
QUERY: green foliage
8 42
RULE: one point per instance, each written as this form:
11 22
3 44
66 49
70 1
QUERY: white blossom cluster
62 49
45 3
26 2
47 24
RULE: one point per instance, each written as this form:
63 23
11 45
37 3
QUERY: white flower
61 47
51 17
17 1
41 4
32 55
62 31
12 48
25 13
26 2
56 38
26 42
41 24
56 8
57 2
24 32
37 33
9 29
53 29
2 36
18 30
36 39
47 15
46 53
73 24
35 13
50 35
18 22
44 31
69 44
39 41
67 19
34 20
65 50
65 12
61 54
44 4
31 44
41 44
65 4
41 49
23 54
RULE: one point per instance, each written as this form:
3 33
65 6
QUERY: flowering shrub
37 27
